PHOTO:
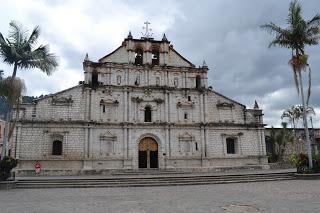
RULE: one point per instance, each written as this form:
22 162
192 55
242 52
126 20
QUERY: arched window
198 81
147 114
137 81
57 147
155 58
138 57
185 116
231 145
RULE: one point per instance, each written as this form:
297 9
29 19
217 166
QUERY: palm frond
315 21
2 40
294 16
40 58
310 110
18 49
16 33
34 36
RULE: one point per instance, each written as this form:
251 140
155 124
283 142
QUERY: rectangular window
185 115
189 98
231 146
103 108
196 146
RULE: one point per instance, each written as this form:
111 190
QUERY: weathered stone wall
101 126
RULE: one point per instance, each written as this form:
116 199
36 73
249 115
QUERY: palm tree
295 37
280 138
295 113
19 50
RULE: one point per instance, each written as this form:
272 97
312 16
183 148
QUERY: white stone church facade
141 106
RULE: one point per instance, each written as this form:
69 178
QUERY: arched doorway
148 153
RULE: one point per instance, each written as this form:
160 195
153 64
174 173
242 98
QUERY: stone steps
150 181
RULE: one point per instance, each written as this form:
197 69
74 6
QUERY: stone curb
8 184
308 176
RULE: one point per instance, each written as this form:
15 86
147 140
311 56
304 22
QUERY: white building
141 106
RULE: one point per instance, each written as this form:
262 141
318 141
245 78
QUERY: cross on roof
147 33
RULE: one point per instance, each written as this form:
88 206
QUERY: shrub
316 163
302 164
6 165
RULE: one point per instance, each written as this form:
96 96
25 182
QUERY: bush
301 161
6 165
316 163
272 158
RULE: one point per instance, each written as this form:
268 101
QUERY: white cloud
224 33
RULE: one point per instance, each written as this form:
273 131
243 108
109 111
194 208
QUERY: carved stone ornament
62 101
108 136
109 102
158 100
137 99
225 105
185 104
186 137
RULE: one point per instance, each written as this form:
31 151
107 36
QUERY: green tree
295 113
19 50
280 139
295 37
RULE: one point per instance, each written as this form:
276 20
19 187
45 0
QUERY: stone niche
187 144
225 110
107 144
109 109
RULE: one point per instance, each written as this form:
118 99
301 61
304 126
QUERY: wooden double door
148 153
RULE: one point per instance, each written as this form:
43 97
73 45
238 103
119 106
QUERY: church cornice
143 66
141 124
143 88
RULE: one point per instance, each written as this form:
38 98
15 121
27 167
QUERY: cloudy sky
225 33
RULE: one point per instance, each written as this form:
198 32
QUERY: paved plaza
279 196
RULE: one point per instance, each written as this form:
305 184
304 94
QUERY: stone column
129 106
263 143
204 98
125 105
223 139
200 108
168 112
125 142
17 140
90 142
240 143
202 142
86 142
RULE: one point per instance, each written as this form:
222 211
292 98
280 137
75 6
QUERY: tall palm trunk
6 134
305 123
8 131
14 70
